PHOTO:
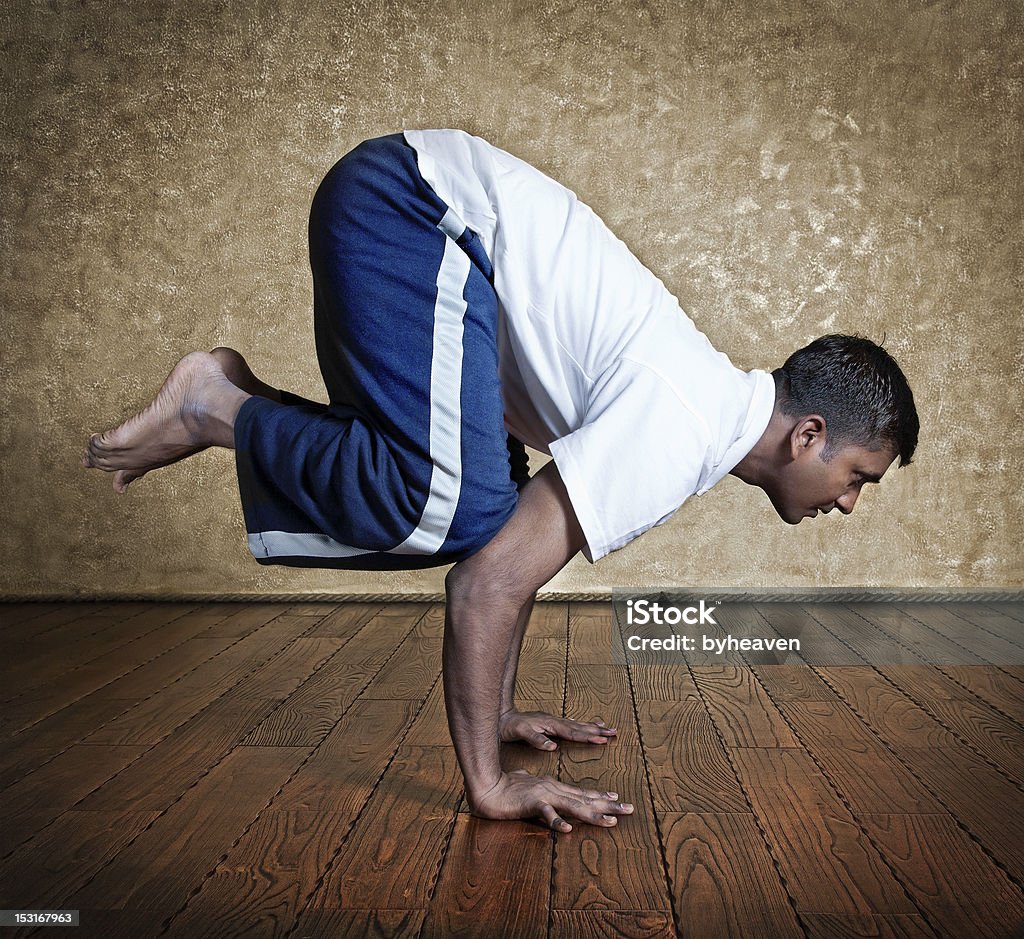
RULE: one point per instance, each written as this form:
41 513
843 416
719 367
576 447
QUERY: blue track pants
409 465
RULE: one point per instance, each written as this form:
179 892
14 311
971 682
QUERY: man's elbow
485 589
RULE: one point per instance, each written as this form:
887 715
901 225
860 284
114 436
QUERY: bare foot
194 409
239 373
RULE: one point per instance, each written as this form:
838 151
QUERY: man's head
843 413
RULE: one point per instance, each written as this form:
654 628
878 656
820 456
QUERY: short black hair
857 387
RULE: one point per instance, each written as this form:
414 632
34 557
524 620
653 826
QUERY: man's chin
794 518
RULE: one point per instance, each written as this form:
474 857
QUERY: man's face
808 485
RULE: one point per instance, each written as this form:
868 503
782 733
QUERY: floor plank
593 635
391 858
992 734
996 688
549 621
895 717
688 766
171 859
741 709
168 768
862 770
829 864
66 855
793 683
609 868
265 878
601 692
541 671
47 684
988 804
41 796
493 873
180 701
724 883
965 892
347 764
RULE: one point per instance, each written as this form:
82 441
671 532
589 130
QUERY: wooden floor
273 770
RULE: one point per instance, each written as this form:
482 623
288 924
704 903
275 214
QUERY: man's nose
846 502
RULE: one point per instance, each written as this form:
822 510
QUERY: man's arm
486 594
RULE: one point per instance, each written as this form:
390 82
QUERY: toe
101 445
121 480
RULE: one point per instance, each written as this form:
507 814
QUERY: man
465 303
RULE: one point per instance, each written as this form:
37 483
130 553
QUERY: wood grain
549 621
829 864
996 688
170 859
541 671
966 892
994 736
793 683
495 875
410 672
601 691
46 793
661 682
724 883
610 924
391 858
65 856
343 769
609 868
688 767
863 771
170 767
741 709
894 716
988 804
593 636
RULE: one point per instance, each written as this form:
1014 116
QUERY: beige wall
787 169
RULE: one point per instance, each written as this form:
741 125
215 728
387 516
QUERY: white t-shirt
599 365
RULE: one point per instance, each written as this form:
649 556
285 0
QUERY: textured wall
786 168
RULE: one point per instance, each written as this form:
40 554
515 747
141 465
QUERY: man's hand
537 728
519 794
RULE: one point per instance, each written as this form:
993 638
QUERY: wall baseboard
814 595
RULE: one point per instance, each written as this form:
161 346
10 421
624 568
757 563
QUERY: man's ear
807 432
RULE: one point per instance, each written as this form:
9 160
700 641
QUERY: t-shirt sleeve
639 454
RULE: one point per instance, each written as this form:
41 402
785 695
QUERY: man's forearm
480 631
508 685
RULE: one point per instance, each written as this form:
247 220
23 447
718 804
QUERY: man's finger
542 743
553 819
592 812
585 733
589 805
